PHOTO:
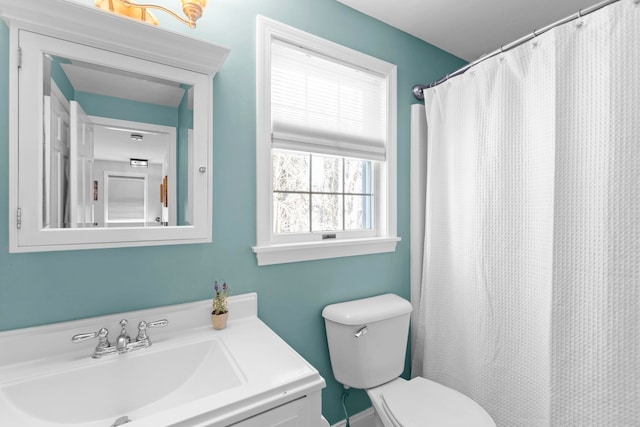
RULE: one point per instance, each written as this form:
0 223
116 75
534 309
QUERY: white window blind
323 106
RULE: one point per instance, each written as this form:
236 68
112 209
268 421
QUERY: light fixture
131 130
138 163
192 8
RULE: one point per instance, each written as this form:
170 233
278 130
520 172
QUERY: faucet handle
142 328
157 324
103 342
83 337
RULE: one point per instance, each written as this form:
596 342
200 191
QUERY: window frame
272 249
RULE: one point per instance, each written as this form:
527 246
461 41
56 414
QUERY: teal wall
40 288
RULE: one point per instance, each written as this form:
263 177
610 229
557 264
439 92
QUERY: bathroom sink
192 375
133 385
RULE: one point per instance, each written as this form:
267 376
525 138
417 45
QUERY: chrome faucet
123 342
123 339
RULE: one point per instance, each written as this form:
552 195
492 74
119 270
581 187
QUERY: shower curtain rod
418 90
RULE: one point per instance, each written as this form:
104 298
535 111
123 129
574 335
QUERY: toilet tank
367 339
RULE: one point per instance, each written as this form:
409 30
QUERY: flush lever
362 331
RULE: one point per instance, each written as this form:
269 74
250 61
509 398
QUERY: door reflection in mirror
96 120
125 202
56 160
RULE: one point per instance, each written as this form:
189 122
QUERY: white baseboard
361 419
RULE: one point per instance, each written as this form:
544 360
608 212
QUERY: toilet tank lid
367 310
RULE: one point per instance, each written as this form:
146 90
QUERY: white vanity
191 375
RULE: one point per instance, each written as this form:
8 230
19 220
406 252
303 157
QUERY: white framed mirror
110 142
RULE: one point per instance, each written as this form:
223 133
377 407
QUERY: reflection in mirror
73 79
116 149
126 198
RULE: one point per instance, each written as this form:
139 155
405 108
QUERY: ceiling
469 29
91 78
115 144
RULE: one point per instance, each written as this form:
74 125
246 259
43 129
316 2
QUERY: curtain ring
447 80
580 23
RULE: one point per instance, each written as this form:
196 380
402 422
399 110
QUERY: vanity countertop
264 371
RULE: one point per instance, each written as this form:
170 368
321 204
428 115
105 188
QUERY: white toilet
367 345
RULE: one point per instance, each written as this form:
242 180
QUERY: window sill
308 251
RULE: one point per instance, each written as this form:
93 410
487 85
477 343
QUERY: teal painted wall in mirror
60 78
124 109
39 288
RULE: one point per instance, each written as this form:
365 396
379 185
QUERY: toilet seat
418 401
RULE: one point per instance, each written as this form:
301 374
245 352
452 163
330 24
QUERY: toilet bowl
421 402
367 341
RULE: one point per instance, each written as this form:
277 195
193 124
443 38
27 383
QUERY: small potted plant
220 311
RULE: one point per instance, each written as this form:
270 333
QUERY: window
324 194
325 147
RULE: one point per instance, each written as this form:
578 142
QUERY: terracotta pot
219 321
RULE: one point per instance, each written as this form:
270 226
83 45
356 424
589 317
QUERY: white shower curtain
530 293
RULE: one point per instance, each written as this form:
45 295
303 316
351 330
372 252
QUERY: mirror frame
80 32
